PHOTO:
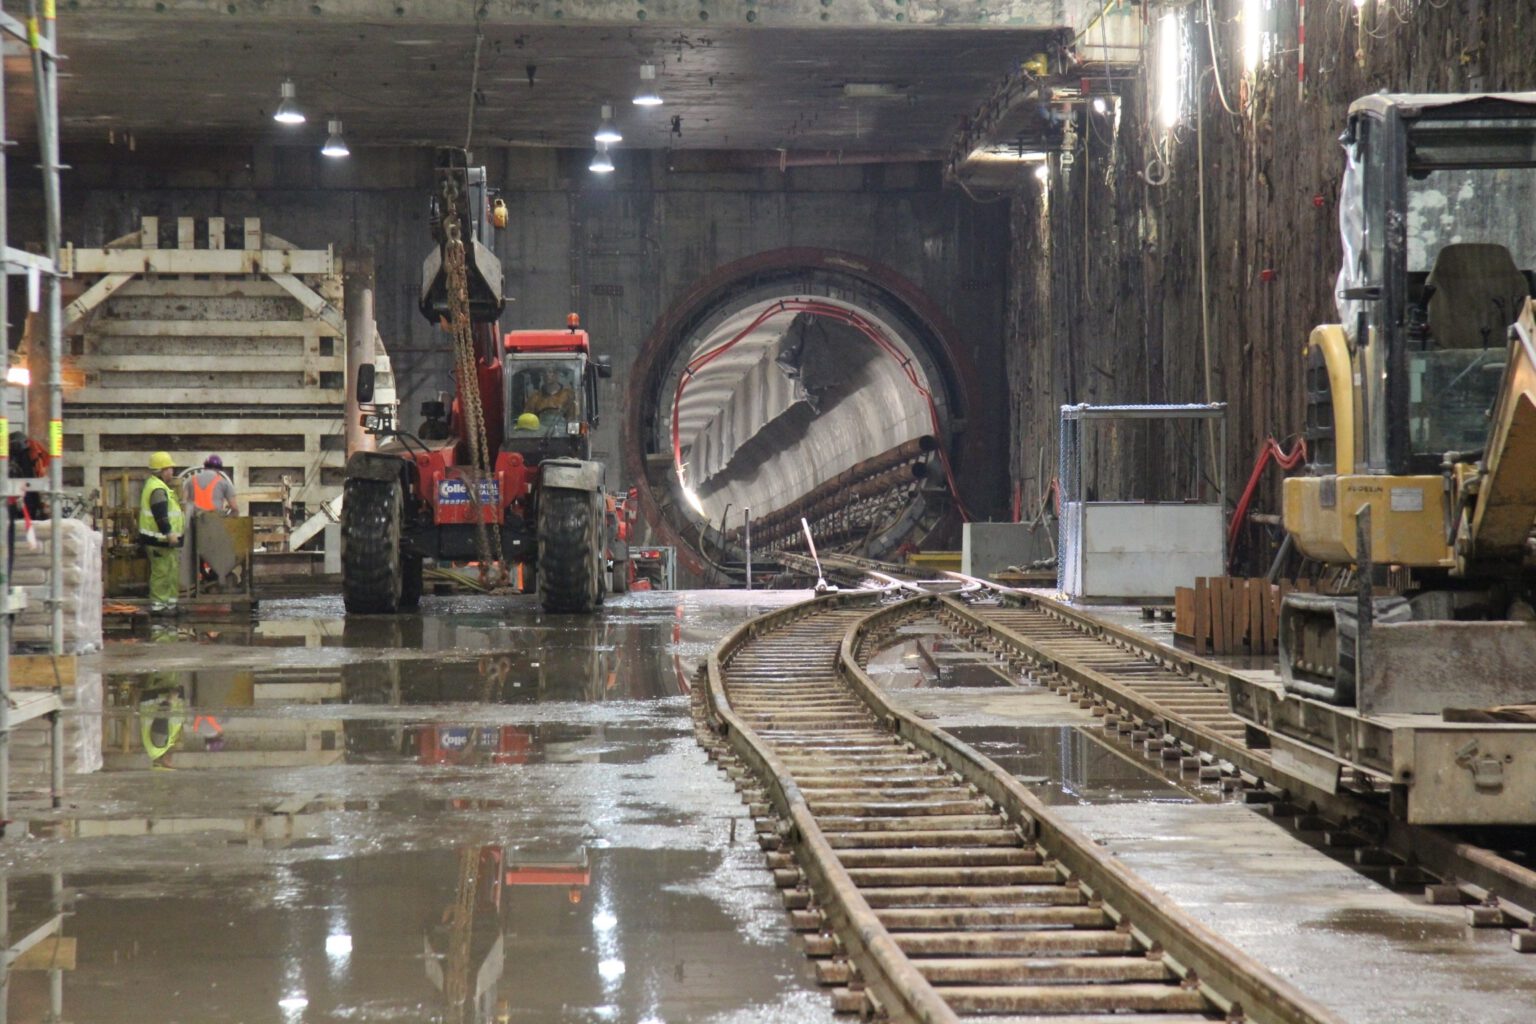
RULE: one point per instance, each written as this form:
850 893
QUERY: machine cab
551 393
1439 226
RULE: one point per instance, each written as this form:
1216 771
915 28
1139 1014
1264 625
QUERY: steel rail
902 987
1193 970
1499 892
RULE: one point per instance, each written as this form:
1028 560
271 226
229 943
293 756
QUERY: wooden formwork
232 342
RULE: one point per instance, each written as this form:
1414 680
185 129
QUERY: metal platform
1440 773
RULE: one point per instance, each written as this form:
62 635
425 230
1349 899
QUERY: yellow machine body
1407 518
1408 513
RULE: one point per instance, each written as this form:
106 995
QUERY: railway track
934 885
1174 706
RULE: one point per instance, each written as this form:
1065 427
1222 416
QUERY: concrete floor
1371 955
302 870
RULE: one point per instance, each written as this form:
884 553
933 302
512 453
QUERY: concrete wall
1105 302
618 250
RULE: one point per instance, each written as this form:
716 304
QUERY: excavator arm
1499 501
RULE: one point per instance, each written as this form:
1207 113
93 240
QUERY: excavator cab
1439 260
1415 395
550 381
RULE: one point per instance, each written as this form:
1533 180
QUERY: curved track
939 886
1175 704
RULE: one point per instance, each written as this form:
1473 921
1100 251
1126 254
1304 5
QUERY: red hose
831 312
1269 451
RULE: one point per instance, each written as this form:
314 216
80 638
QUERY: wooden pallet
233 342
1232 615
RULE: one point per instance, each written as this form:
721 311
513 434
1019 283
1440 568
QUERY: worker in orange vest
210 490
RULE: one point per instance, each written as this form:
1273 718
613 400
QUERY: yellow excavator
1421 416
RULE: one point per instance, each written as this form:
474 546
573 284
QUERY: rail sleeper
939 890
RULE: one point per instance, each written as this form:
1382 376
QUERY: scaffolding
38 33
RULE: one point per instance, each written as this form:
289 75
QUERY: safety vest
147 524
202 497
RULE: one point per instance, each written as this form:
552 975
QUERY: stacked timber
1232 615
214 337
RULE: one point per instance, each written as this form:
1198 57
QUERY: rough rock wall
1105 300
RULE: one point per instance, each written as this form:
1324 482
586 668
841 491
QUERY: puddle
484 932
1067 765
1423 933
336 788
926 656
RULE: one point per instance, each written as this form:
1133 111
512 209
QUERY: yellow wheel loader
1421 416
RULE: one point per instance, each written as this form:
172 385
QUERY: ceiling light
288 111
1170 69
601 163
1253 34
335 145
647 96
606 132
1099 106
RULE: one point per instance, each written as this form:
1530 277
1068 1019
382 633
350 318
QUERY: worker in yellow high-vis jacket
160 528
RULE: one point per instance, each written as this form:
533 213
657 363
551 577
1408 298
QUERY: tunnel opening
799 384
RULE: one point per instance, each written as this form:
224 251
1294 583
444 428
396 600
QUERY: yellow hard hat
160 460
527 421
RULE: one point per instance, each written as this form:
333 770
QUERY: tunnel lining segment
856 283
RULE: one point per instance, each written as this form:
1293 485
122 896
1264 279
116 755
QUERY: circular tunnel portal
798 383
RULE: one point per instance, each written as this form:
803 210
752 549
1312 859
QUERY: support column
357 300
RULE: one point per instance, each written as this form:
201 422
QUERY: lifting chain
466 368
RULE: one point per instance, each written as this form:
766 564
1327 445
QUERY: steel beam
895 14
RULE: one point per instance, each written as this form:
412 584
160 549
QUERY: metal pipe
746 525
45 77
697 161
5 589
357 302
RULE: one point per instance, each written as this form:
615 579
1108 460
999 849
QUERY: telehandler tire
568 553
371 572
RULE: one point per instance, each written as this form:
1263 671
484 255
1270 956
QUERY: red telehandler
504 476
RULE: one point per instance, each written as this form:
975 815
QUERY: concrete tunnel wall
619 251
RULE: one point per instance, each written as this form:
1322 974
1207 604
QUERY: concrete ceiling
406 81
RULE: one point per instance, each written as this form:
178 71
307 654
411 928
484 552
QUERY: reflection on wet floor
243 717
1070 765
506 933
926 654
480 813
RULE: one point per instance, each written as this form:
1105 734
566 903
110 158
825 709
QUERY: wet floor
475 813
1371 955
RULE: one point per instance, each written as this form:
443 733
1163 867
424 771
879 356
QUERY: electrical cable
1270 451
474 74
1210 34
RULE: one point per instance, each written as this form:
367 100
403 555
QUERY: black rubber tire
620 583
568 559
410 581
371 579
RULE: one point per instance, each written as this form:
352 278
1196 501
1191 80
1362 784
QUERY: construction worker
552 396
160 528
209 490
